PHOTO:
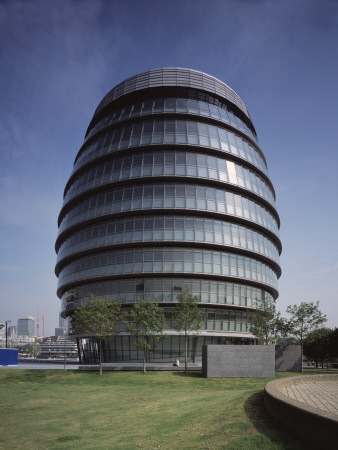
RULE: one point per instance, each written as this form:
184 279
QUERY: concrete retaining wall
229 361
319 427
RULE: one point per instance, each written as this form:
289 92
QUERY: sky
58 58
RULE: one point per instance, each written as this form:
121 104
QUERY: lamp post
7 322
65 349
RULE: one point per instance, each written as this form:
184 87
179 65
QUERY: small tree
316 345
264 320
188 318
145 322
99 318
287 340
32 349
304 318
36 349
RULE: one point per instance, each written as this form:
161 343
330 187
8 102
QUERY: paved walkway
168 366
318 394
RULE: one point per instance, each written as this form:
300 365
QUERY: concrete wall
288 358
228 361
316 426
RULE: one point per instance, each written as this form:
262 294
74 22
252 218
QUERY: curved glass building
170 190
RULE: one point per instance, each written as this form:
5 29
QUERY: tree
316 344
287 340
264 320
187 318
304 318
31 349
99 318
145 322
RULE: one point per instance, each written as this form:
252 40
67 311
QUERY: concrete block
219 361
288 358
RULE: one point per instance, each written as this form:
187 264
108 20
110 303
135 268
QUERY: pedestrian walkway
318 394
117 366
39 366
136 366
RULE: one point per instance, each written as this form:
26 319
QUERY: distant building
55 347
59 331
26 326
12 331
16 340
62 322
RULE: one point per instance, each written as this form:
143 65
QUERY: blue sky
59 58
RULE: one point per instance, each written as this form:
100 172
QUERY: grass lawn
56 409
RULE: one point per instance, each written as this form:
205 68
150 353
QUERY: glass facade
169 163
165 290
167 260
167 195
170 190
188 229
198 104
170 133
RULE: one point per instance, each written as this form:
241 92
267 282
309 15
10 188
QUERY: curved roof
173 77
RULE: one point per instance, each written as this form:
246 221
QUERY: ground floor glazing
122 348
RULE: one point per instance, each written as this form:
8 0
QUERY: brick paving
318 394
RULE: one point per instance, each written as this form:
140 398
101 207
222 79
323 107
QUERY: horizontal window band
204 214
170 179
70 286
164 244
176 149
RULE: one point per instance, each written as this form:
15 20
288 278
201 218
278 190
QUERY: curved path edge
317 426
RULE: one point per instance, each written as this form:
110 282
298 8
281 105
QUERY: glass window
159 126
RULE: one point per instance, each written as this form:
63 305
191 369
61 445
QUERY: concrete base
318 426
230 361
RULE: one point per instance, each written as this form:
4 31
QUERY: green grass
47 409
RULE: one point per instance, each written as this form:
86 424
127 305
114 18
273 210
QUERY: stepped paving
318 394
